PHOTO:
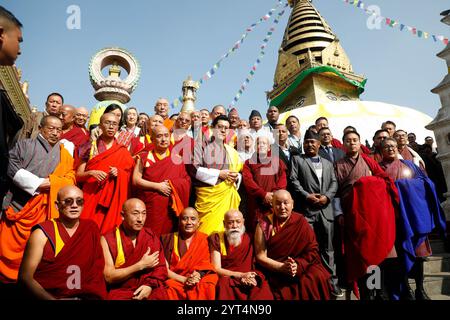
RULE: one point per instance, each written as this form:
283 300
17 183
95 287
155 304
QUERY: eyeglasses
69 202
389 147
110 124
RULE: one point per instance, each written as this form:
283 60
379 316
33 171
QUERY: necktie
330 152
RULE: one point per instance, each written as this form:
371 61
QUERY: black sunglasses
69 201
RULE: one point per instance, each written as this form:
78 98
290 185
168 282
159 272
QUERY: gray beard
235 237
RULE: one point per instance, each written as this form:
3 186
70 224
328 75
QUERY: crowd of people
207 205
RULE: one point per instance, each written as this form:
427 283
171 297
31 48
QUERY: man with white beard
232 257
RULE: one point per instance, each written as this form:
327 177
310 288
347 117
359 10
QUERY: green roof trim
280 98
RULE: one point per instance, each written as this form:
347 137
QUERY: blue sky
174 39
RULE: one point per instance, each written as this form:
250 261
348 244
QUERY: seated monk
191 274
161 181
63 258
38 168
286 247
135 267
105 171
232 256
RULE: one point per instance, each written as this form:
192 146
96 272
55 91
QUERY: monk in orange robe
191 274
105 171
232 256
161 181
135 267
63 258
162 109
38 168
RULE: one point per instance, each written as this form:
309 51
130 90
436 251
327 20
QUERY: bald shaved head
130 203
234 226
134 214
282 204
188 222
81 116
67 115
69 189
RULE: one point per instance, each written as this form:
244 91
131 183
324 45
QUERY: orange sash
15 227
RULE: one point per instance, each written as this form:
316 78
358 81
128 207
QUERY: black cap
254 113
309 134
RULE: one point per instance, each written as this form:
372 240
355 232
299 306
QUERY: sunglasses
69 202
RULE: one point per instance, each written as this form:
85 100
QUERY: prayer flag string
258 60
209 74
394 23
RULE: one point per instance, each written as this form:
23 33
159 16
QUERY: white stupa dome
365 116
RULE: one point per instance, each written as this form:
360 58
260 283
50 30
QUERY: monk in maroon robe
63 258
287 250
161 181
71 132
105 172
263 174
135 266
232 256
367 196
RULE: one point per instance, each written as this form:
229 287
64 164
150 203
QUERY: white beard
234 236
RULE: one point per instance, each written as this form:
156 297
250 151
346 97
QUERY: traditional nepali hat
309 134
233 111
254 113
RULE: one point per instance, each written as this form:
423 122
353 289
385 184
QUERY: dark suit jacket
282 156
304 181
337 153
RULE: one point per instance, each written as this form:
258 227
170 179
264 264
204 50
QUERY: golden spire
308 42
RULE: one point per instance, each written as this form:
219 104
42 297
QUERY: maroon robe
160 216
82 250
154 277
296 239
259 179
76 135
239 259
367 197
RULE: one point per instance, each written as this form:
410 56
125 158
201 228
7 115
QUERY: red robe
104 200
239 259
296 239
140 144
367 201
76 135
161 217
260 178
153 277
81 256
195 258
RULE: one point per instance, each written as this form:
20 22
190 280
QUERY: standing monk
63 258
162 109
232 256
286 248
135 267
161 181
367 197
105 171
71 132
191 274
38 168
263 174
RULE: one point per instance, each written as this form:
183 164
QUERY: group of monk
205 205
